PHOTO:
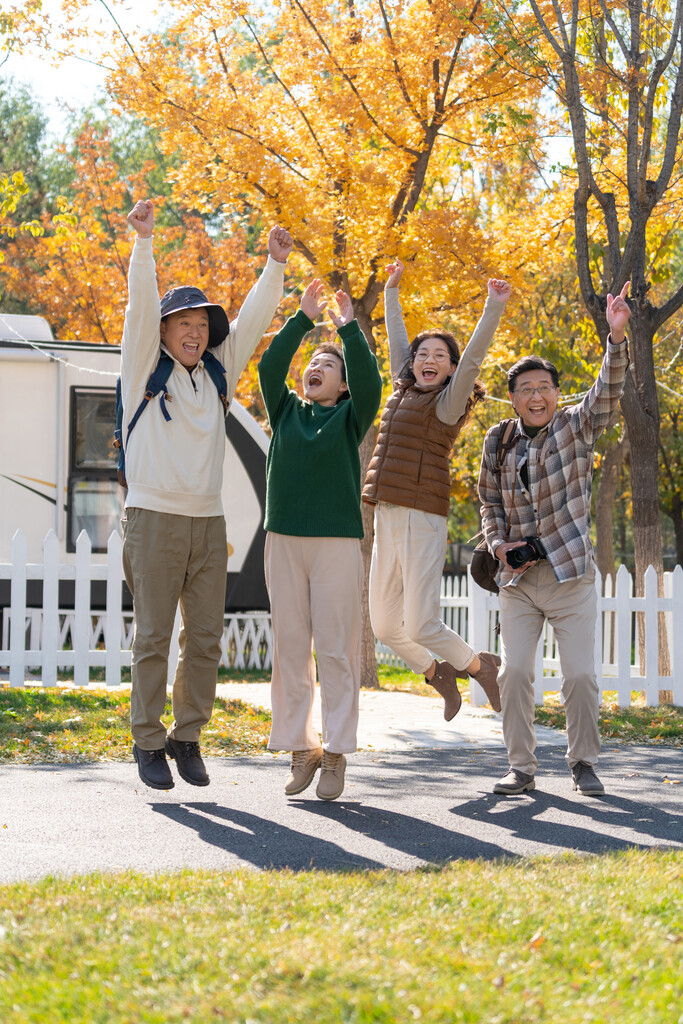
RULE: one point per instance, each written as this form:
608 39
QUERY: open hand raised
312 302
346 313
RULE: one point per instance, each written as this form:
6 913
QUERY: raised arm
257 311
595 411
362 374
399 345
141 337
451 405
275 362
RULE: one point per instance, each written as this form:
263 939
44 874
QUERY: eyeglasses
543 390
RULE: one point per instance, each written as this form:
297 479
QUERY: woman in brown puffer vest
408 482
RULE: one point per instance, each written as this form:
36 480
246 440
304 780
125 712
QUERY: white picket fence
47 639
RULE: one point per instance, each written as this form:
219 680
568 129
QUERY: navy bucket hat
177 299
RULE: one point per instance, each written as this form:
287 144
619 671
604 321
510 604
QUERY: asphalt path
401 809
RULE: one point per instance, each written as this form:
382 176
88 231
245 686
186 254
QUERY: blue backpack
157 385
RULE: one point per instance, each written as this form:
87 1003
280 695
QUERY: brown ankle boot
445 682
487 677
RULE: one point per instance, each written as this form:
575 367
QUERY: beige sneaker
305 764
331 781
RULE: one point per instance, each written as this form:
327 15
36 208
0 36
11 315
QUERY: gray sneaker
585 780
515 782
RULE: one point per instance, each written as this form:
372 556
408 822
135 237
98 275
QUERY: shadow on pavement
259 841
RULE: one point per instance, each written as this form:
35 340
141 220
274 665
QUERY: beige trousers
405 578
315 588
571 609
166 559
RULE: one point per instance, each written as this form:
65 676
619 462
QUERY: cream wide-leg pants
166 559
405 577
571 609
315 589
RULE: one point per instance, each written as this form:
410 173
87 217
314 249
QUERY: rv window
93 419
94 506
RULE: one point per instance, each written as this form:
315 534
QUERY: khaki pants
166 559
315 588
405 579
571 609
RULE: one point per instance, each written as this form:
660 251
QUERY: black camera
530 551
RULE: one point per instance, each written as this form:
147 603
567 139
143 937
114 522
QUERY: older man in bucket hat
174 535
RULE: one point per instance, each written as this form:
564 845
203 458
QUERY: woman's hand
312 303
618 314
395 272
280 244
346 313
499 290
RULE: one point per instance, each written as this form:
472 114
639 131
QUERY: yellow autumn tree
369 130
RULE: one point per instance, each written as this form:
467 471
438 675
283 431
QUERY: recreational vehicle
58 466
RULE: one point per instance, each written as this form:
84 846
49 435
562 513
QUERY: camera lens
520 556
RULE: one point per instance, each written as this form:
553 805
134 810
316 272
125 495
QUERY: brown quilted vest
409 465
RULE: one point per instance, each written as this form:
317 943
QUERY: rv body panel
58 468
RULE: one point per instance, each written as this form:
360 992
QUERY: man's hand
141 218
395 272
312 302
618 314
501 555
499 290
346 313
280 244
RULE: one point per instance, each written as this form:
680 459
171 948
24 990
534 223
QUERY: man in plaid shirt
543 491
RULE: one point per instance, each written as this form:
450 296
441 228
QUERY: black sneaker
585 780
188 758
153 768
515 782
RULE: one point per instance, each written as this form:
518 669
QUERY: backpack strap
507 439
216 372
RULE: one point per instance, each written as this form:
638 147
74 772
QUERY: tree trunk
610 471
640 409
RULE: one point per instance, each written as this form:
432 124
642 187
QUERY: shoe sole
306 784
588 792
329 796
152 785
186 778
526 788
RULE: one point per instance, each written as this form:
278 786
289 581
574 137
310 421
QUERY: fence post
623 593
174 649
651 619
17 643
676 635
598 645
477 631
112 621
82 627
49 642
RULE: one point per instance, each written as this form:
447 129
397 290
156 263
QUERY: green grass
477 942
654 725
67 725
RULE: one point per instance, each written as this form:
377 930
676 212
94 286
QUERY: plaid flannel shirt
560 473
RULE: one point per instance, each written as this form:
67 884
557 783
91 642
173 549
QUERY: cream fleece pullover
177 466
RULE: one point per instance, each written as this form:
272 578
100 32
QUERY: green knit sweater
313 466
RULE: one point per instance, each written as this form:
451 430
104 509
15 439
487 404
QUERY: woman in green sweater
314 568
